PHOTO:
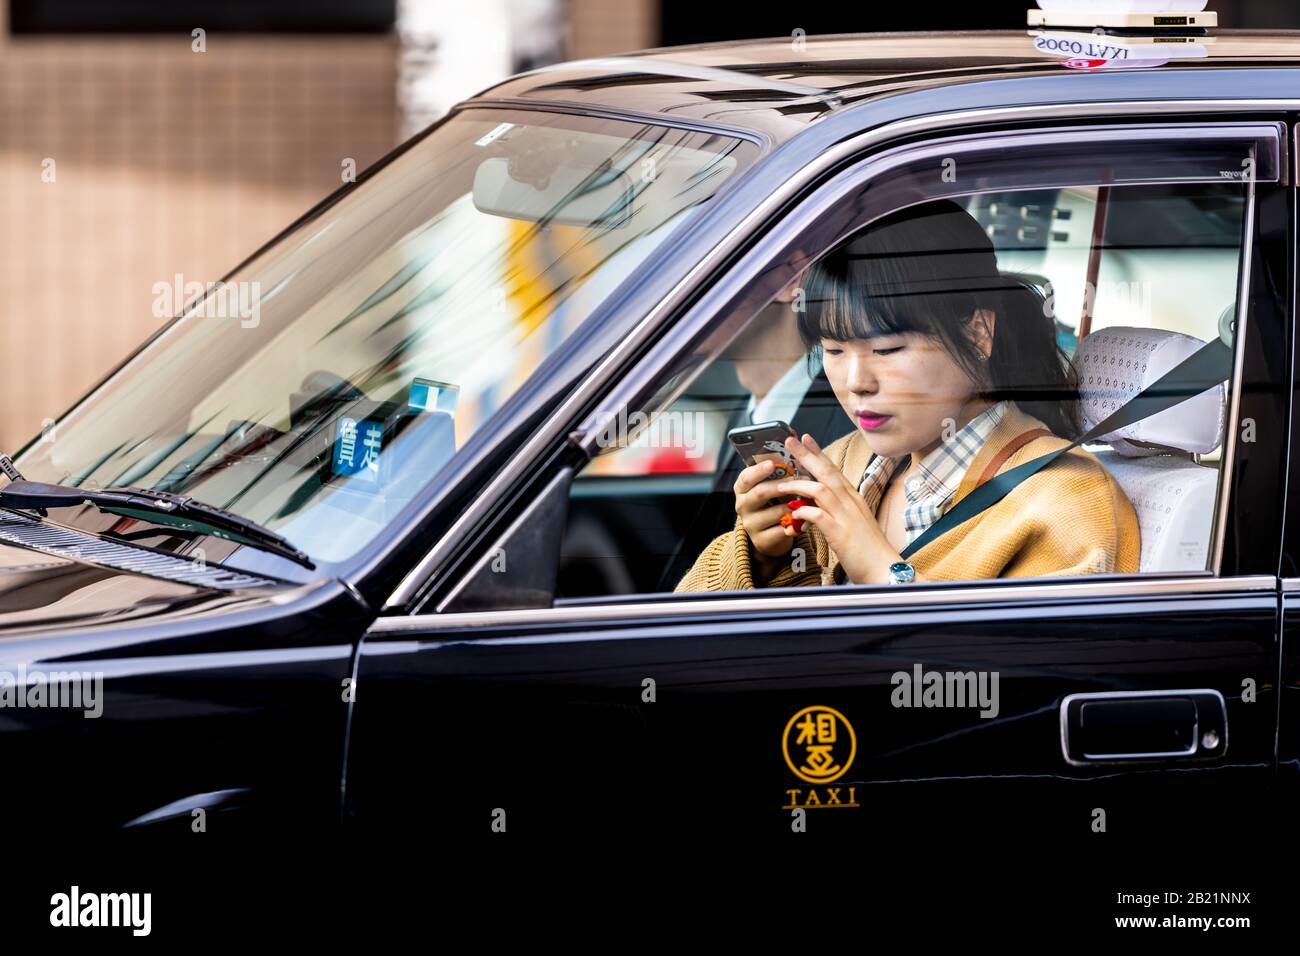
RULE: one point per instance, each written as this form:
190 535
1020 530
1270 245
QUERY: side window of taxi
1089 294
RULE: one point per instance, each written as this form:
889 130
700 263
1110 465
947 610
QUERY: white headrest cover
1115 364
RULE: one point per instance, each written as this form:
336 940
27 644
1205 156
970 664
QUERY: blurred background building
142 139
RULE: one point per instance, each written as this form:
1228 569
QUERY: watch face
901 572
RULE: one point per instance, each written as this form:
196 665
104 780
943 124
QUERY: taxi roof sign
1124 20
1085 50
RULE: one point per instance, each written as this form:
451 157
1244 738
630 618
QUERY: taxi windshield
323 384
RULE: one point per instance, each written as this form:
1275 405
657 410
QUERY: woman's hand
760 518
840 514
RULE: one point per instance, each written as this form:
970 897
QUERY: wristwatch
900 572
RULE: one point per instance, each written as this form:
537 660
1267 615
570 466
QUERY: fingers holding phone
760 512
758 501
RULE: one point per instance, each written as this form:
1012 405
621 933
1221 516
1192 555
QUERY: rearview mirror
572 195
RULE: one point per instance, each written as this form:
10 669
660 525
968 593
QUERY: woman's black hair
927 269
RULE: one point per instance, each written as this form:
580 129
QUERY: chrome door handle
1114 726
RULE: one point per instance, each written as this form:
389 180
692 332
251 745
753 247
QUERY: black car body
409 685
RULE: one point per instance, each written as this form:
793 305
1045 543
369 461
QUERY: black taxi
386 531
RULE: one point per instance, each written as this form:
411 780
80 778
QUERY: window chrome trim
830 599
1234 408
549 432
1295 156
1290 585
617 114
882 164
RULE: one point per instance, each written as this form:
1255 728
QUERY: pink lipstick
871 421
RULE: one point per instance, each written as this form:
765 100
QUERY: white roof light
1131 14
1125 6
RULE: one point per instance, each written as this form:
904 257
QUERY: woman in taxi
951 373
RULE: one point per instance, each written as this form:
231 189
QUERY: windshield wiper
160 507
11 472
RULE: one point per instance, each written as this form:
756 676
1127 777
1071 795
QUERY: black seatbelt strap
1208 366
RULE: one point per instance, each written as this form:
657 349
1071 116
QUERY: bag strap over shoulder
1009 449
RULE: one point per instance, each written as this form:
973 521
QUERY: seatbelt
1205 368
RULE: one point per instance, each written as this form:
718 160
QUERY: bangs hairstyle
926 270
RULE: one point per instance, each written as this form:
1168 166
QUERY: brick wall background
170 161
165 161
602 27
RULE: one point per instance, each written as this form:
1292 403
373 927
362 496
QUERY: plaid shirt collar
937 476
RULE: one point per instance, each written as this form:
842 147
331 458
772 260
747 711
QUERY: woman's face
904 391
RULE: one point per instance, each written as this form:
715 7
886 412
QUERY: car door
1288 683
494 702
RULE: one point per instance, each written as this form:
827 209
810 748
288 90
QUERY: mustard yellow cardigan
1070 518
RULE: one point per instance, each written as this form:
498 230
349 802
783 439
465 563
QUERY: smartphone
766 440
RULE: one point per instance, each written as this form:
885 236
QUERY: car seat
1156 460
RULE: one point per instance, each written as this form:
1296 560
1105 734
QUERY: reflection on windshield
370 344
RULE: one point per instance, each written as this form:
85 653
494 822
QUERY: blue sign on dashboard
357 447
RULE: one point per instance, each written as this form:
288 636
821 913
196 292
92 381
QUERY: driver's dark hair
926 269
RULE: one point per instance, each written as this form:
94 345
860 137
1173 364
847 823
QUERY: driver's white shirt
784 398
